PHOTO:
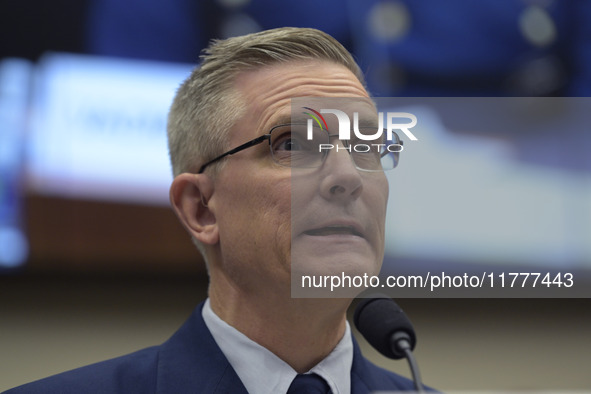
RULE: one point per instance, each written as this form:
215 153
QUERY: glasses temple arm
248 144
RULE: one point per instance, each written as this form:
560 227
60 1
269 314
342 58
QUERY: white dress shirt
262 372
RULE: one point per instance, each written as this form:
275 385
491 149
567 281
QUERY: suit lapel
359 372
367 378
191 362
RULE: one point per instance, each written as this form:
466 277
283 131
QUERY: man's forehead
268 90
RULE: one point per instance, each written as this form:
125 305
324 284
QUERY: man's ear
189 194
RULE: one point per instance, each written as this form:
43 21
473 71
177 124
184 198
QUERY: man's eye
287 144
290 142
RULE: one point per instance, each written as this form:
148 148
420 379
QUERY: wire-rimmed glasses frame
315 158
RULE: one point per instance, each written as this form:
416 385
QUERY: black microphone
385 326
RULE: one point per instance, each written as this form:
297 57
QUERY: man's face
322 220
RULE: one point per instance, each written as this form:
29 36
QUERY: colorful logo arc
316 116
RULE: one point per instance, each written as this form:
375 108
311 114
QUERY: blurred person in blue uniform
474 48
405 47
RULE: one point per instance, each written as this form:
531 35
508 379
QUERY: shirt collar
263 372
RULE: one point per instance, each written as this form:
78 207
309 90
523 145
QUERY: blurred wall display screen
99 128
498 182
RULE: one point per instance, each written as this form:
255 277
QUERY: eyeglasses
291 146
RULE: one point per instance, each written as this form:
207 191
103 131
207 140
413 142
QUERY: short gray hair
207 106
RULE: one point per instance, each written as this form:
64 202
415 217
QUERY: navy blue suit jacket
189 362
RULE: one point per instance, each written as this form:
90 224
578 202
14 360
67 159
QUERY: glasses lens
376 155
298 145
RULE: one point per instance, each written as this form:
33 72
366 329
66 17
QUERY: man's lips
335 230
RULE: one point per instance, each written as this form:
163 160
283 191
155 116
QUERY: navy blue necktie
308 384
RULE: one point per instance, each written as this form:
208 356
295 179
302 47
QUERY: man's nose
342 180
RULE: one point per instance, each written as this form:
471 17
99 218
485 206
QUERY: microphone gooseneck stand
385 326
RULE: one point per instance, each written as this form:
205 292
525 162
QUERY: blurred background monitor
99 128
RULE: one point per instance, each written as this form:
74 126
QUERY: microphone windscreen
377 319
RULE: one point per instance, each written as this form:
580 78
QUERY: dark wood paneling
88 236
